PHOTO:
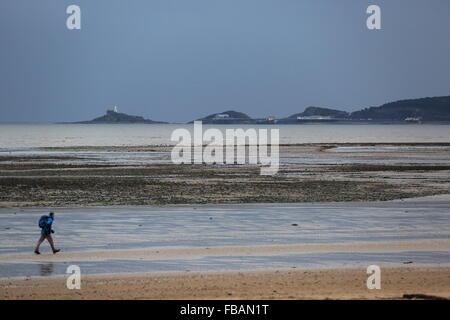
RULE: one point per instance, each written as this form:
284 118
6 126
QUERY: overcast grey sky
182 59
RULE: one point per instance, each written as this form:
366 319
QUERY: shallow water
103 228
20 136
26 141
227 263
228 225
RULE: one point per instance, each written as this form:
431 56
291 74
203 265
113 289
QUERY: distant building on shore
413 119
314 118
222 116
113 110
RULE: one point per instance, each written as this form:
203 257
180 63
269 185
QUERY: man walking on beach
45 223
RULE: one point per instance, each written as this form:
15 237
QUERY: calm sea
14 136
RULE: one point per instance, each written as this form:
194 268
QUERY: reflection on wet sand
46 269
221 237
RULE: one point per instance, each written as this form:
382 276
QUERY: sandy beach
148 229
277 284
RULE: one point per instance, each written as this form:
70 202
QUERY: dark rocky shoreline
59 181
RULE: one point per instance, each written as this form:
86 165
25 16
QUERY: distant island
113 116
316 114
435 110
227 117
426 109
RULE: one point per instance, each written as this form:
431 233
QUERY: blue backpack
43 221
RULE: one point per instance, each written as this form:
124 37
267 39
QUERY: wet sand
192 253
95 176
276 284
228 237
348 228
